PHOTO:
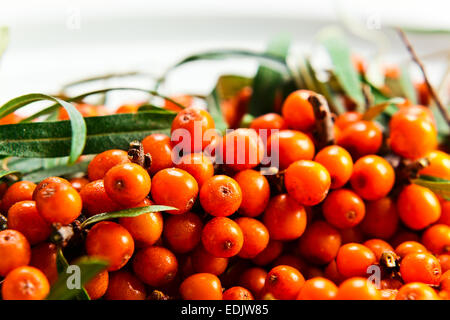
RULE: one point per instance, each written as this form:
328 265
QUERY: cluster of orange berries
234 236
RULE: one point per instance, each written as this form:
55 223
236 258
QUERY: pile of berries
339 220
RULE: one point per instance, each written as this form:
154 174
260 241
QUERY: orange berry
123 285
44 183
97 286
256 237
271 122
222 237
338 163
270 253
78 183
381 219
284 282
205 262
220 196
43 257
198 165
408 247
318 289
86 110
420 267
437 239
104 161
14 250
96 200
378 247
416 291
201 286
343 209
183 232
297 112
353 259
160 148
358 289
19 191
237 293
361 138
183 99
25 283
253 279
347 118
439 165
253 183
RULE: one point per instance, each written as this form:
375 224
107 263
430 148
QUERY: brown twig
324 132
442 108
136 155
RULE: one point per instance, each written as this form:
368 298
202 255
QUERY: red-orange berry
378 247
256 237
222 237
205 262
318 289
347 118
97 286
416 291
271 122
198 165
25 283
338 163
420 267
160 148
381 219
361 138
19 191
96 200
220 196
14 250
439 165
297 112
358 289
343 209
270 253
78 183
201 286
123 285
407 247
437 239
43 257
284 282
104 161
353 259
253 279
183 232
253 183
237 293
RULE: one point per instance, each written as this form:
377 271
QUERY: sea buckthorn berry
320 243
123 285
176 188
256 237
437 239
343 209
347 118
253 183
284 282
416 291
160 148
237 293
111 241
240 149
445 213
439 165
127 183
318 289
198 165
43 257
353 259
201 286
445 281
58 203
204 262
25 283
351 235
444 261
11 118
420 267
419 111
412 137
338 162
222 237
19 191
96 200
78 183
189 128
86 110
14 250
127 108
297 112
270 253
418 207
44 183
284 218
307 182
361 138
183 232
331 272
270 122
408 247
381 219
221 196
155 266
253 279
373 177
183 99
234 108
403 235
23 216
97 286
104 161
378 247
146 228
358 289
293 261
289 146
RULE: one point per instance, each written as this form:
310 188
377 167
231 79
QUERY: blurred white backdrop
53 42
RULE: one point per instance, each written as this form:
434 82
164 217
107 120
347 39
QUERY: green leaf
89 267
268 82
25 165
439 186
58 171
335 43
150 107
374 111
4 173
407 86
78 126
127 213
4 39
53 139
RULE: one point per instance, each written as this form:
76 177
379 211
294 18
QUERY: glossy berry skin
437 239
78 183
176 188
14 250
407 247
338 163
378 247
343 209
155 266
183 232
439 165
198 165
222 237
353 259
44 183
240 149
220 196
252 183
96 200
372 178
284 282
104 161
201 286
237 293
58 203
318 289
416 291
183 99
146 228
19 191
307 182
284 218
123 285
97 286
23 216
253 279
361 138
347 118
381 219
43 257
25 283
160 148
205 262
127 184
357 288
320 243
270 253
189 128
111 241
256 237
271 122
420 267
289 146
297 112
418 207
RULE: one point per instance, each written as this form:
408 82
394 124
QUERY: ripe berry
338 163
378 247
222 237
420 267
297 112
437 239
78 183
347 118
270 253
343 209
353 259
25 283
198 165
253 183
44 183
183 232
361 138
160 148
237 293
14 250
43 257
183 99
96 200
439 165
381 219
358 289
220 196
253 279
19 191
97 286
256 237
416 291
205 262
201 286
104 161
318 289
408 247
123 285
271 122
284 282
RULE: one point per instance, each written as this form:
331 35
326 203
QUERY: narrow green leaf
127 213
61 267
439 186
407 86
150 107
4 173
25 165
62 170
374 111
